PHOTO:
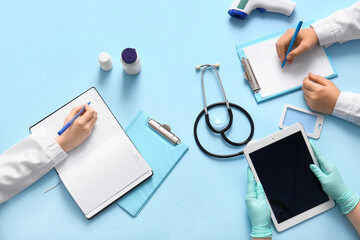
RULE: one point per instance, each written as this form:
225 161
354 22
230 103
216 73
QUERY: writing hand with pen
79 130
320 93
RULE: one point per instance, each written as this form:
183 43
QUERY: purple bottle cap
129 55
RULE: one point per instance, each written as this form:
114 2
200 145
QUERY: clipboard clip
164 130
249 75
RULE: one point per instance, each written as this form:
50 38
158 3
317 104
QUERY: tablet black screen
283 169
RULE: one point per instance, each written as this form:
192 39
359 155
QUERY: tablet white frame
318 125
253 147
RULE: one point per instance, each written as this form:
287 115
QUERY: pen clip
249 75
164 130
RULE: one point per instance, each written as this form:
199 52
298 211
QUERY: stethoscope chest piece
222 131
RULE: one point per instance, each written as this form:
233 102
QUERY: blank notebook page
105 164
272 78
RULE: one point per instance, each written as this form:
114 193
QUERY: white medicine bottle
130 61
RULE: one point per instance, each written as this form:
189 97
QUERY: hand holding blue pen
72 120
306 39
78 126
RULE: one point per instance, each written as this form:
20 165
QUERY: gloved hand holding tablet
281 163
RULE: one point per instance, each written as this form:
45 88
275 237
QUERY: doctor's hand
320 93
79 130
332 183
258 208
305 40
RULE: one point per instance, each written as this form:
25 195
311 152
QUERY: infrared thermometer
242 8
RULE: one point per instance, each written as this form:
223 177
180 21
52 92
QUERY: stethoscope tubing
222 132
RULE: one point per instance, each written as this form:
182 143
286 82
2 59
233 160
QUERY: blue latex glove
332 183
258 208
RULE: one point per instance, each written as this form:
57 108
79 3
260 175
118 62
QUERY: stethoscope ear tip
197 67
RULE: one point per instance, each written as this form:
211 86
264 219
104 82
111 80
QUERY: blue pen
72 120
292 41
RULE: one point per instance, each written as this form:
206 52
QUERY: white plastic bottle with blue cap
130 61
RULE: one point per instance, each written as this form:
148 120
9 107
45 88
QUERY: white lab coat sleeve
26 162
341 26
347 107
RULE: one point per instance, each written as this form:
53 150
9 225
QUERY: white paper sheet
272 78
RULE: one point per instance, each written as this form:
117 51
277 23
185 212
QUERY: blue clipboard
241 53
159 153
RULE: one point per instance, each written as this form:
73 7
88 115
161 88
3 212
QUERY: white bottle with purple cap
130 61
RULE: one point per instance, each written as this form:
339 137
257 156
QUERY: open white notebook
103 168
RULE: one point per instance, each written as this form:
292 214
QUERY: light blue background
49 53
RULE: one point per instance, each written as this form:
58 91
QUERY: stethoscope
230 121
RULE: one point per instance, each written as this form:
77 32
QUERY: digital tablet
281 163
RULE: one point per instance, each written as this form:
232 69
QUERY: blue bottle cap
129 55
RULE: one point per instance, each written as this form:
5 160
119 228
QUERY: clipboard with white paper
162 150
262 67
